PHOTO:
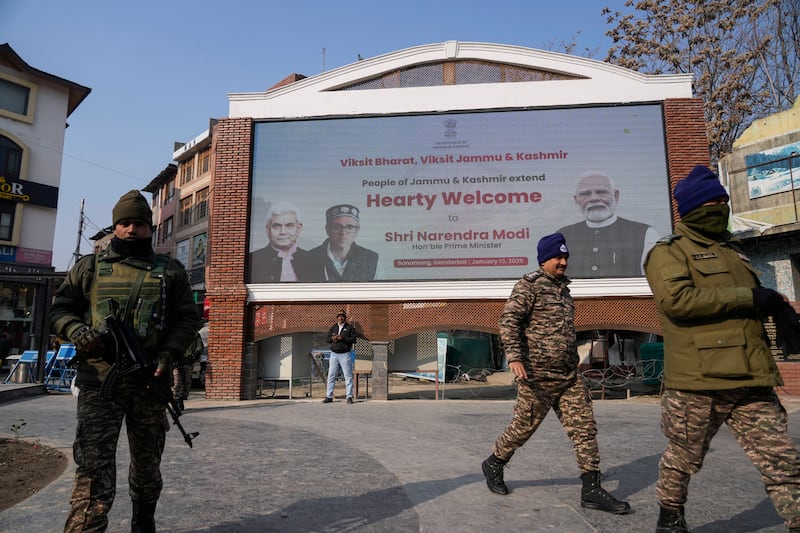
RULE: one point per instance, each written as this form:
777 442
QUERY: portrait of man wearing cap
605 245
341 258
282 259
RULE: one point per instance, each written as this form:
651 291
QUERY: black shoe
349 400
593 496
493 470
327 400
670 521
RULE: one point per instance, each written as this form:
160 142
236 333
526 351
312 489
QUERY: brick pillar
230 324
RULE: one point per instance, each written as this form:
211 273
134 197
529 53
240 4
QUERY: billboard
773 171
457 196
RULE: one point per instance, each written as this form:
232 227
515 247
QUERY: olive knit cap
132 205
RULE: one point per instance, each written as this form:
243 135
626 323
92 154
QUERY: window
16 97
166 230
201 205
170 192
205 162
186 211
10 158
7 210
156 194
187 171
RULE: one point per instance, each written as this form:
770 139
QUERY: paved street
401 465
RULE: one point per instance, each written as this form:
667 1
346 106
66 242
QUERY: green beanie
132 205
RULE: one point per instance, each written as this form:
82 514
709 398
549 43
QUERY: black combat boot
670 521
143 520
594 496
493 470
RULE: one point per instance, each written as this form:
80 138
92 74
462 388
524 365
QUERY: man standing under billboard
537 328
606 246
341 337
281 259
341 258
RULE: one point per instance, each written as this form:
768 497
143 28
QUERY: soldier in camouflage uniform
182 371
155 299
538 334
718 367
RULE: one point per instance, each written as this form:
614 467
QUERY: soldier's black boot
593 496
670 521
493 470
143 520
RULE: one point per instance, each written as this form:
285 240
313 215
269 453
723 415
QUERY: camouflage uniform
166 320
537 329
182 371
718 368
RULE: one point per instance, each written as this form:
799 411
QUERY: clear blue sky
159 70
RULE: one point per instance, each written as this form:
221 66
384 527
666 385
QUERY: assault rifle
132 360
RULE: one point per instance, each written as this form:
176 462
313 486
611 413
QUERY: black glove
787 329
86 339
767 301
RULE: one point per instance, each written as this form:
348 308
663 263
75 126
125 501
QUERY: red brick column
686 138
225 288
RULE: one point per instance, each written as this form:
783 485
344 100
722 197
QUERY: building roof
428 78
163 177
77 92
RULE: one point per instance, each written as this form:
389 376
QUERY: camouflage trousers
755 416
95 447
571 403
181 381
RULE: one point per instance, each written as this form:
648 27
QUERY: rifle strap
133 296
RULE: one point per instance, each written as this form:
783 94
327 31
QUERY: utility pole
323 60
77 254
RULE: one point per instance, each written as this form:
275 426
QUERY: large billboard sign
462 196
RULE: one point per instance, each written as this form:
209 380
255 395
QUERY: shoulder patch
531 276
667 239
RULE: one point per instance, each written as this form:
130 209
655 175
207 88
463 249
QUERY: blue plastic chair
30 358
60 374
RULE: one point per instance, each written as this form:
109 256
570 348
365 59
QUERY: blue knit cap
551 246
699 187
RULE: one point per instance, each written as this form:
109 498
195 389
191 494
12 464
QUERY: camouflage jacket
171 320
713 336
537 327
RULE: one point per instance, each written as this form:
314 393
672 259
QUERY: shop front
25 296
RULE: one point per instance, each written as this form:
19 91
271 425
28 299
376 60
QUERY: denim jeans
340 360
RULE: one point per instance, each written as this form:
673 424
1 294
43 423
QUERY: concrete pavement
396 466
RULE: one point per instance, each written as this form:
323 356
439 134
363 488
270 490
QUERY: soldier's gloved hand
767 301
85 338
164 362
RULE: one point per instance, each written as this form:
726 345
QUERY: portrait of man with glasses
341 257
282 259
604 245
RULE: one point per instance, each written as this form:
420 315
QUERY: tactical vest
134 291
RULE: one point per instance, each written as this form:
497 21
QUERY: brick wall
225 289
687 141
790 371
